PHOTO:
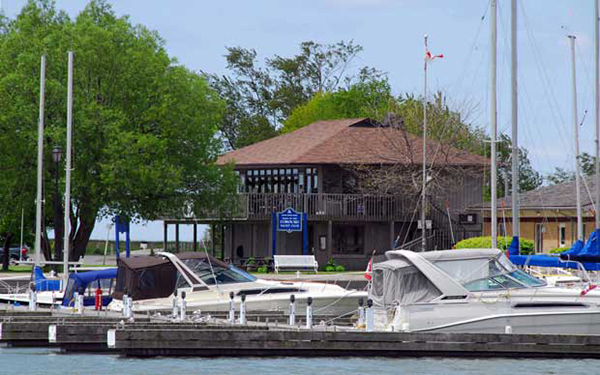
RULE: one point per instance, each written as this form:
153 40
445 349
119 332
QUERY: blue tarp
587 255
80 282
41 283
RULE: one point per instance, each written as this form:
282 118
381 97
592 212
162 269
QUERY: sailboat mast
423 193
40 166
494 171
67 225
576 141
597 109
514 120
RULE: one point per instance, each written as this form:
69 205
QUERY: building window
562 234
281 180
348 239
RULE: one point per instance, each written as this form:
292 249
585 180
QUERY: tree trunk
6 254
87 220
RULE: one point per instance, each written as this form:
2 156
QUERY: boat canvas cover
79 282
150 277
396 281
145 278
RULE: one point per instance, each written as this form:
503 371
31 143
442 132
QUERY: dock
266 334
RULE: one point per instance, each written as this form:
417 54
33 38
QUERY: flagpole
423 194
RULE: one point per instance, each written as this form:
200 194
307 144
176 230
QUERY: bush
558 250
330 268
340 268
262 269
486 243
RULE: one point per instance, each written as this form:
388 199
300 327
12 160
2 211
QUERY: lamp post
58 227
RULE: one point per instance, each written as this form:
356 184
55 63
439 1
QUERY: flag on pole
428 55
369 269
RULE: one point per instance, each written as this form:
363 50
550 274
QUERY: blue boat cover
80 281
41 283
514 247
587 255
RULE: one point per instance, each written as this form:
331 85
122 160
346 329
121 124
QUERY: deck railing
327 206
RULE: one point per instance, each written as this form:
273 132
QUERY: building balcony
340 207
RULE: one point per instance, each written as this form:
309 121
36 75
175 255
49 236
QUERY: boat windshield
488 274
223 275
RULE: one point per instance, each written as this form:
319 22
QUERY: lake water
49 362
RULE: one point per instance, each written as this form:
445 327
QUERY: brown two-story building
313 171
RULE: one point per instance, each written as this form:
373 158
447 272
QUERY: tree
260 98
370 97
560 175
529 178
144 126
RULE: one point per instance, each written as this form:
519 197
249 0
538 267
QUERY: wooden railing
327 206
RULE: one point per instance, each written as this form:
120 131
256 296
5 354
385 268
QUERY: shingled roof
347 141
559 196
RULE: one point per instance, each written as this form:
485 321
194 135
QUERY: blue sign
289 221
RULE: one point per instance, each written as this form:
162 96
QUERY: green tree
363 99
144 126
560 175
261 97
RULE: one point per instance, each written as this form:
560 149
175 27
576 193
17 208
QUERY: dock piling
32 298
175 314
370 316
243 310
309 313
361 312
231 319
292 320
183 307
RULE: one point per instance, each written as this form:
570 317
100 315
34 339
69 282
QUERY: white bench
295 261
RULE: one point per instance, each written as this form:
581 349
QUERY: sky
391 32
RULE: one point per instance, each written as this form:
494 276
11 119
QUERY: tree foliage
144 126
260 97
560 175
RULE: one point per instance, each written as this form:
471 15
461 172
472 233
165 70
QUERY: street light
57 157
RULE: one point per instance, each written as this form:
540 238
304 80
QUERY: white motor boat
208 284
475 291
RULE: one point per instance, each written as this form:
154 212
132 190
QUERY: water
50 361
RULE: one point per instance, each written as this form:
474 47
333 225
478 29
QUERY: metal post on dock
125 304
370 316
183 307
32 298
231 319
80 302
292 310
243 310
174 313
361 312
309 313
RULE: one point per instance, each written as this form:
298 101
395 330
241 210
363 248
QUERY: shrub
526 246
558 250
340 268
330 268
262 269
